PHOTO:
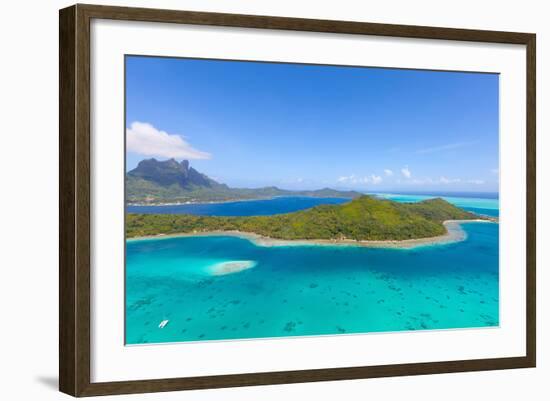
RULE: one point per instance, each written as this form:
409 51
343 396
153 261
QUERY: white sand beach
454 234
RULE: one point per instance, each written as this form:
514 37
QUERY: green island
365 218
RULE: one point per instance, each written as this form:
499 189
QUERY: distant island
365 218
161 182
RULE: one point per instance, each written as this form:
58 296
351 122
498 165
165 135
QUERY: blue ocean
309 290
261 207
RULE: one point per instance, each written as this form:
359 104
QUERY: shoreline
382 195
454 233
234 200
200 202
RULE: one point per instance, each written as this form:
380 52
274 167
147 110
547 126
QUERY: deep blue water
240 208
309 290
480 203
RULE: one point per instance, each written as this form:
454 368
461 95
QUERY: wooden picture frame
74 199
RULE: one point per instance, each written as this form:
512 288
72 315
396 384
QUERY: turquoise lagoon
309 290
487 205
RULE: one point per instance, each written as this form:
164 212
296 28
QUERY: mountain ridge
171 172
170 181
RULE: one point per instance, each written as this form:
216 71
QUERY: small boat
163 324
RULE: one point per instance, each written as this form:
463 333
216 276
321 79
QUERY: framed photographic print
251 200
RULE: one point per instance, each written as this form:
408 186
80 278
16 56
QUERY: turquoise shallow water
307 290
486 206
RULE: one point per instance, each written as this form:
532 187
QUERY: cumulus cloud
445 180
420 181
354 179
144 139
406 172
441 181
346 178
388 172
375 179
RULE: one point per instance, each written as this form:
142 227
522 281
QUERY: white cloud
375 179
445 180
495 170
354 179
388 172
420 181
346 178
144 139
441 181
406 179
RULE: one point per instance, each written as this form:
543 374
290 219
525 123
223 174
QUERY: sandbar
233 266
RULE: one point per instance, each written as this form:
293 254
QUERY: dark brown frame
74 199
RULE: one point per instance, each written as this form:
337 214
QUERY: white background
111 361
28 166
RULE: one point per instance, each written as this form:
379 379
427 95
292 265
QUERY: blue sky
296 126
